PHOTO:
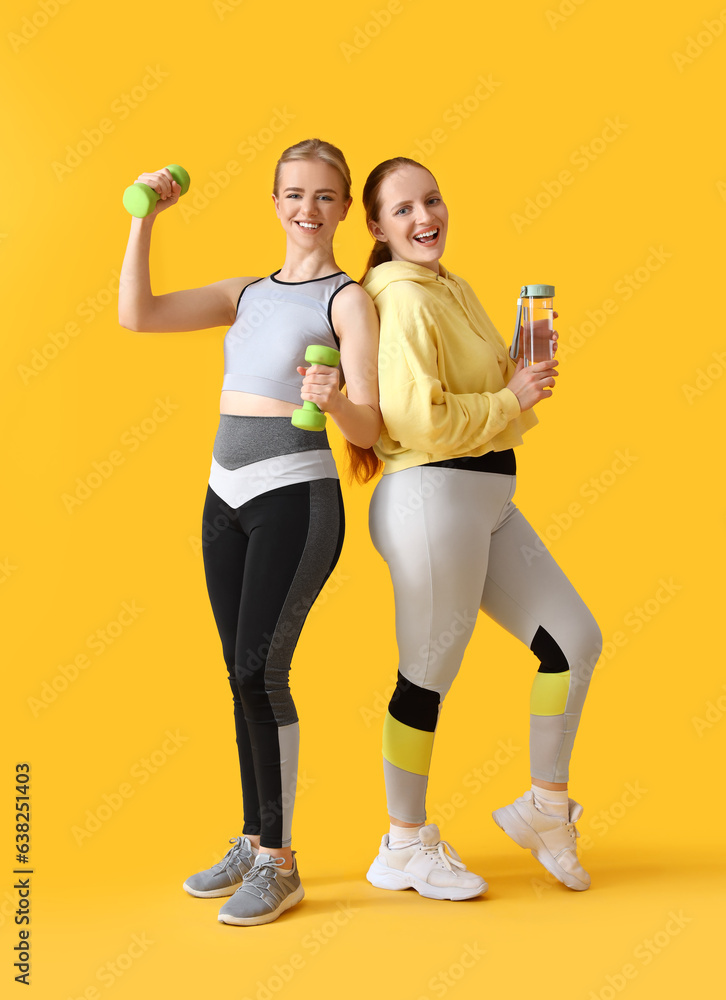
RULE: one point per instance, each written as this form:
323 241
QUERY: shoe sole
389 878
265 918
226 890
508 819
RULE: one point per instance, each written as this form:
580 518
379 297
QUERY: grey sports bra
276 322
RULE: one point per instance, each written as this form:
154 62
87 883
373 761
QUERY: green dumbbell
140 199
311 417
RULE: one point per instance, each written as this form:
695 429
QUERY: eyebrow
318 190
407 201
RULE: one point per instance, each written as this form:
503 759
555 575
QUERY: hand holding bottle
532 383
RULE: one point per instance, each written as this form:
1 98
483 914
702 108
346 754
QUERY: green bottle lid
538 291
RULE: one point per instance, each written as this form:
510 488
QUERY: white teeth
423 236
310 225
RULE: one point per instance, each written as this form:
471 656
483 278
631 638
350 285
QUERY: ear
276 203
376 232
346 206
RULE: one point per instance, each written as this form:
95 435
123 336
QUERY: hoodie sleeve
417 411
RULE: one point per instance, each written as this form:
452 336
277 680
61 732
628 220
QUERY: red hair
381 251
364 463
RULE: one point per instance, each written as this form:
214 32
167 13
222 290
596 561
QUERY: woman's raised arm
191 309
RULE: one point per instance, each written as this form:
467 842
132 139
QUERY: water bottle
535 307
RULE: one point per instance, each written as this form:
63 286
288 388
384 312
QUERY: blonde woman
273 519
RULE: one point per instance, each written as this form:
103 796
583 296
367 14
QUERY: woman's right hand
165 186
530 384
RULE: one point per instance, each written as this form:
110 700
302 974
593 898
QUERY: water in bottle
533 332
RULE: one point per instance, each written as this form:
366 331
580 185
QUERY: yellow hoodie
442 368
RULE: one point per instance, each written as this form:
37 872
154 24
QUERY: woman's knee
582 667
589 638
571 651
250 681
580 640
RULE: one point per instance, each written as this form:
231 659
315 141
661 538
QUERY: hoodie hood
385 274
441 285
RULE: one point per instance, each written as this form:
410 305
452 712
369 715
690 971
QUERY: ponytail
363 463
380 253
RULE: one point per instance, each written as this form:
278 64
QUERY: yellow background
375 89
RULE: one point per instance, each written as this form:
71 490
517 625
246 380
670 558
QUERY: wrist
142 225
337 404
512 406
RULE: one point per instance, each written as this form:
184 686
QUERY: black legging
265 563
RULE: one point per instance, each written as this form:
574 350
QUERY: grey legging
455 543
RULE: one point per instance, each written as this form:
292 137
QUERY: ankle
280 852
402 836
551 801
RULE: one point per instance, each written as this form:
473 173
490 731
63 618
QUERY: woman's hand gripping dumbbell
141 197
310 417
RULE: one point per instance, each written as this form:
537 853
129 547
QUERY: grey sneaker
223 878
264 893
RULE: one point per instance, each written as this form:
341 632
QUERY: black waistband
502 462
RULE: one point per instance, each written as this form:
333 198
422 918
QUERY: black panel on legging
414 706
265 563
544 647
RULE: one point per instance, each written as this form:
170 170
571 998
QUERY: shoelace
256 871
571 828
450 859
231 854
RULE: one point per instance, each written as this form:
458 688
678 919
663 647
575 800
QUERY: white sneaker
551 839
432 868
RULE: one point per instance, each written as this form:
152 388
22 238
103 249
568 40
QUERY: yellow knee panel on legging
549 693
405 747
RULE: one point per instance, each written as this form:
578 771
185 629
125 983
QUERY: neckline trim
308 282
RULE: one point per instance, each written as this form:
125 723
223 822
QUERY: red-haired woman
454 407
273 518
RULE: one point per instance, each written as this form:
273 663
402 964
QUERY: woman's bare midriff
249 404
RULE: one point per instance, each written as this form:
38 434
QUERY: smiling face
309 202
413 219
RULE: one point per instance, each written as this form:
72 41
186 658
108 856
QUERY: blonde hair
363 464
314 149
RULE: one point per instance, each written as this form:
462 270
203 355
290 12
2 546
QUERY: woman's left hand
321 385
